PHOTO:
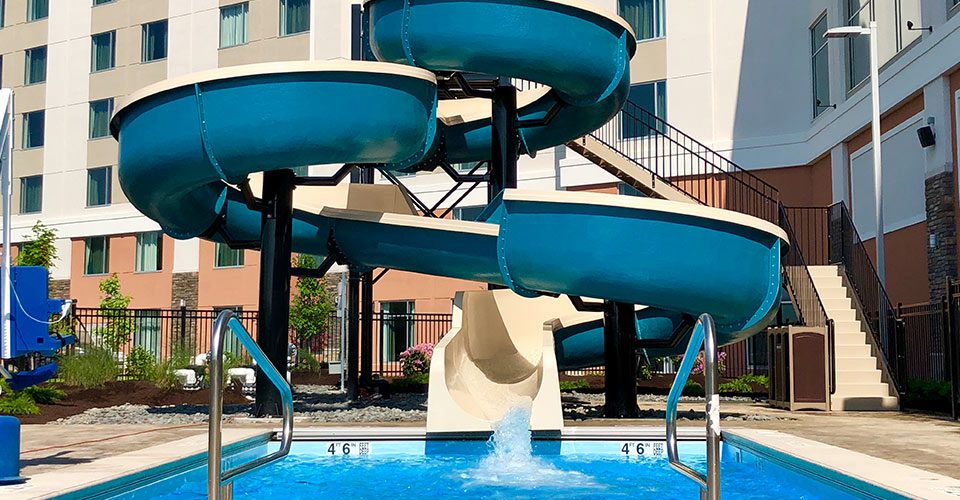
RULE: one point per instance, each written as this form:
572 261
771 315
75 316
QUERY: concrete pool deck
928 443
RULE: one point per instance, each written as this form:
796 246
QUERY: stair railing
219 482
703 336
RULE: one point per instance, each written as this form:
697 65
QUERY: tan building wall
147 289
228 286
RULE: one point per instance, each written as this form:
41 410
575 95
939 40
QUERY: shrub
756 380
45 395
644 373
141 364
307 362
927 394
410 383
416 359
692 389
698 365
310 308
162 374
40 249
88 367
573 385
19 403
738 386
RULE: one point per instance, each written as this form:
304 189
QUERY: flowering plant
698 364
416 359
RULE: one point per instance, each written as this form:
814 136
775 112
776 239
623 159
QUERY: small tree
114 306
311 306
39 250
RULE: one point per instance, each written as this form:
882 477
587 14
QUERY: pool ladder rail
219 482
703 335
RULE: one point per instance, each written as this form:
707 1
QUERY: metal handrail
219 485
703 334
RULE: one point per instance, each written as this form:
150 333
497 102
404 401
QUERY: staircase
860 384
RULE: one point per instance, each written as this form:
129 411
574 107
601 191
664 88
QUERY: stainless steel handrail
703 334
218 481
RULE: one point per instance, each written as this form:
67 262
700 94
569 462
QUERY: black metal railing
396 332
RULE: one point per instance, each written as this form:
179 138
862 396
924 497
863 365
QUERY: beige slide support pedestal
498 355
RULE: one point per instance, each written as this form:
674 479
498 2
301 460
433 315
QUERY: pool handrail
703 334
218 481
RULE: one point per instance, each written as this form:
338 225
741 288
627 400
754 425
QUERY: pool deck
928 443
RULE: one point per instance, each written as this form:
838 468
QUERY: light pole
871 31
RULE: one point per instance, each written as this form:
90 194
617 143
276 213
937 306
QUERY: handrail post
703 334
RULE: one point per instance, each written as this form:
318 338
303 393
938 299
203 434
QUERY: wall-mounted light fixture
926 135
911 27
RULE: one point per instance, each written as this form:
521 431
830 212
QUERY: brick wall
941 225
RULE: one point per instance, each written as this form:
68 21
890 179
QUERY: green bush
738 386
45 395
162 374
756 380
573 385
19 403
410 383
94 367
927 394
692 389
644 373
141 364
307 362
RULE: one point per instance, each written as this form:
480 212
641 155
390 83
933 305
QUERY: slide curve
186 142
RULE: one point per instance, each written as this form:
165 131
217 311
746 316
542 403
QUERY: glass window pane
100 112
154 41
102 54
224 256
651 97
31 194
468 213
98 2
3 10
35 69
33 128
148 254
37 9
644 16
294 16
98 186
96 255
397 329
233 25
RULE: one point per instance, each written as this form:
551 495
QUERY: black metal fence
930 354
393 333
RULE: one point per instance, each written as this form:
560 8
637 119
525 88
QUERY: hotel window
468 213
645 17
820 66
858 47
100 112
153 41
33 126
303 171
37 9
100 2
397 327
96 255
294 16
149 254
98 186
233 25
950 3
627 190
224 256
35 65
103 51
3 11
31 194
652 97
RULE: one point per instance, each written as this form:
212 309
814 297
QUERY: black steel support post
353 334
620 370
275 253
506 141
366 309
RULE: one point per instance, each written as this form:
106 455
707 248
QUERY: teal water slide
187 142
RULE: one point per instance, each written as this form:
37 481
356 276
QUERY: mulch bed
117 393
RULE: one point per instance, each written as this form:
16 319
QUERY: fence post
183 323
952 352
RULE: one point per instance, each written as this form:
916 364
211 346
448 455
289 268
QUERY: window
233 25
224 256
149 254
652 97
98 186
294 16
103 51
37 9
96 255
301 171
147 332
820 65
3 10
153 41
858 47
100 112
645 17
100 2
627 190
468 213
33 125
35 65
397 327
31 194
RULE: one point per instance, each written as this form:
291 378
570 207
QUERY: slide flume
186 142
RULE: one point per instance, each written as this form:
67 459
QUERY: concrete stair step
850 363
827 281
847 376
871 389
864 403
838 303
831 292
819 271
845 314
853 351
848 326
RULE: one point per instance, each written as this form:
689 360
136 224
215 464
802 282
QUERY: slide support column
353 334
275 253
366 309
506 141
620 372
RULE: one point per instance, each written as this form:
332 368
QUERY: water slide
186 143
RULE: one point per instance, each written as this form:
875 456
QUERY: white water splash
511 462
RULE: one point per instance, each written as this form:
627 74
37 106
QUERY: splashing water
511 462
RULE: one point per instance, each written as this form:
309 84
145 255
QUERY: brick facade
59 289
185 287
941 227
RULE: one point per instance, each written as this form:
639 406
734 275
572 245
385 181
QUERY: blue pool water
509 466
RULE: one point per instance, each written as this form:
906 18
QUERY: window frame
86 256
283 17
113 51
658 87
110 103
815 51
27 127
144 33
660 21
103 2
216 256
246 21
108 184
23 181
848 17
138 252
30 4
28 62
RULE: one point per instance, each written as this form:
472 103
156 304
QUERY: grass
573 385
90 367
410 383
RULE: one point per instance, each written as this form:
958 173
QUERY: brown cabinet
799 368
